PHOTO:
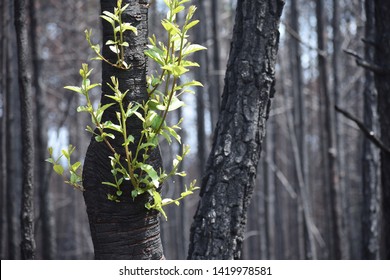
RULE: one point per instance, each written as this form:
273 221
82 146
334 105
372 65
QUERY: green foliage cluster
164 93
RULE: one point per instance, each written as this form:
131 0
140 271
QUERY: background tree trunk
219 223
27 213
124 230
371 160
45 203
201 74
382 82
215 84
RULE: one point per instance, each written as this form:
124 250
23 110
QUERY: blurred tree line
318 193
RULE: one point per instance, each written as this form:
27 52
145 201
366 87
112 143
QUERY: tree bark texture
219 224
371 158
123 230
27 212
382 82
46 204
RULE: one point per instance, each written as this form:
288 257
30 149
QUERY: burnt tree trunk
371 160
219 224
46 204
123 230
382 82
27 211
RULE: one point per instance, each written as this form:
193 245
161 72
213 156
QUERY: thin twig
369 133
295 35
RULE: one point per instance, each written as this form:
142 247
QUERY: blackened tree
382 82
219 224
123 230
27 213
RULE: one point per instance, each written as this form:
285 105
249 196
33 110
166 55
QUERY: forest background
316 167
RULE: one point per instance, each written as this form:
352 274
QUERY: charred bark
382 83
123 230
219 224
27 212
371 160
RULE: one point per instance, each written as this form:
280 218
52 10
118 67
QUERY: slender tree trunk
13 142
200 75
3 125
215 84
371 159
123 230
330 149
298 131
382 82
27 214
219 224
339 168
45 206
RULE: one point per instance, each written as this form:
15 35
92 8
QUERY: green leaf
151 172
175 104
110 184
189 84
130 139
166 136
124 7
192 48
93 86
75 89
187 63
119 193
147 145
74 178
184 1
83 109
100 111
89 129
184 194
65 153
170 27
110 42
156 54
178 9
127 26
76 165
50 160
176 70
174 134
110 15
134 193
58 169
191 24
99 138
110 20
112 126
155 120
115 49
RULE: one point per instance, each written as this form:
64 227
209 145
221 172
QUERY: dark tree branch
366 64
368 133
